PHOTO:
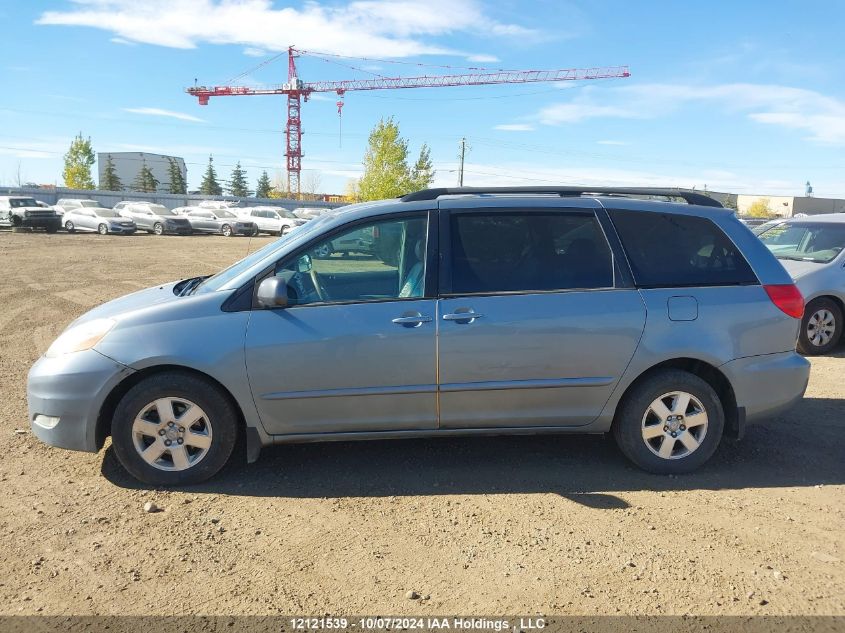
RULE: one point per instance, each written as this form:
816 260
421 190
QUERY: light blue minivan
465 311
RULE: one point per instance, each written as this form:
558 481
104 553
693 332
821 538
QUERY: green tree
237 183
177 180
422 174
209 185
145 181
386 171
78 162
110 181
759 208
263 187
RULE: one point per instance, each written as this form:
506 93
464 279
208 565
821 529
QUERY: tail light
788 298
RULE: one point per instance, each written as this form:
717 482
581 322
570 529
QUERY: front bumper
41 223
122 230
71 388
179 230
768 385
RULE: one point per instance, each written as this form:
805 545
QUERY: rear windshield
89 203
668 250
16 203
805 242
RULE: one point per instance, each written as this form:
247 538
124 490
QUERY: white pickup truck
22 211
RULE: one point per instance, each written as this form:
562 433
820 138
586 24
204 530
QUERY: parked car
507 311
25 212
309 213
221 222
71 204
274 220
812 249
120 206
217 204
103 221
156 218
762 228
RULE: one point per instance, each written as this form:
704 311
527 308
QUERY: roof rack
691 197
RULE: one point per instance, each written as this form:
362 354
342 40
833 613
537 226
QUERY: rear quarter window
671 250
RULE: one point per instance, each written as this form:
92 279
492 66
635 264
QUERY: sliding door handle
463 317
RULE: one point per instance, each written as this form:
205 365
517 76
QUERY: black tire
52 229
158 228
285 230
226 230
221 413
103 229
628 423
69 227
817 307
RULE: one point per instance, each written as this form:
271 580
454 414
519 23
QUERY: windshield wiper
189 285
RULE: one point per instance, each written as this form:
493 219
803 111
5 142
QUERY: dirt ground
476 526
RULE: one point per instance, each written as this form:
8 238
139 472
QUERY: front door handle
412 320
467 316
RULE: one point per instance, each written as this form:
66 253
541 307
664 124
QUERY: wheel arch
734 418
104 418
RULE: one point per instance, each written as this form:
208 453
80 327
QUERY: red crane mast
297 90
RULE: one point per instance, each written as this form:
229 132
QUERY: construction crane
297 90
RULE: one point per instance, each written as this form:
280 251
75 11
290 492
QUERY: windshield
221 279
285 213
107 213
16 203
161 210
89 203
817 242
225 214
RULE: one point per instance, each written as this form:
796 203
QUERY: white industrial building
127 165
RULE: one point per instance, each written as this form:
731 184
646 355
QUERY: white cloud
515 127
526 174
251 51
393 28
822 116
165 113
483 59
121 41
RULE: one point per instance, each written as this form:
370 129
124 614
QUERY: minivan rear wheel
669 422
173 429
821 327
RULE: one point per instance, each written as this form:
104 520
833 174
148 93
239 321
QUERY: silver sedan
812 249
103 221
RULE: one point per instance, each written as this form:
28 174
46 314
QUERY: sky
745 97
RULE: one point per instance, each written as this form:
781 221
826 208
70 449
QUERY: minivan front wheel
670 422
174 428
821 327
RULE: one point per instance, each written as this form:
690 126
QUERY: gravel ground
557 525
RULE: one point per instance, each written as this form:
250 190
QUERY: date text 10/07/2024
414 623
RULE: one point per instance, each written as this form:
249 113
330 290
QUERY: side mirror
304 264
273 293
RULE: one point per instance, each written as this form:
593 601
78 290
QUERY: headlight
79 338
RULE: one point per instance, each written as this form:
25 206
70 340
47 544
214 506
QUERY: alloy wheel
172 434
674 425
821 327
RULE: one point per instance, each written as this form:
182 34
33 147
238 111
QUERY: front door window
369 262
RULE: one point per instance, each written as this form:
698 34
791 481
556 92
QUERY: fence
169 200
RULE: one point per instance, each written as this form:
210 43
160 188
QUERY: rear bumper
768 385
65 395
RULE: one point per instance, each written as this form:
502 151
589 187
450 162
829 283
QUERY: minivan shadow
803 448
